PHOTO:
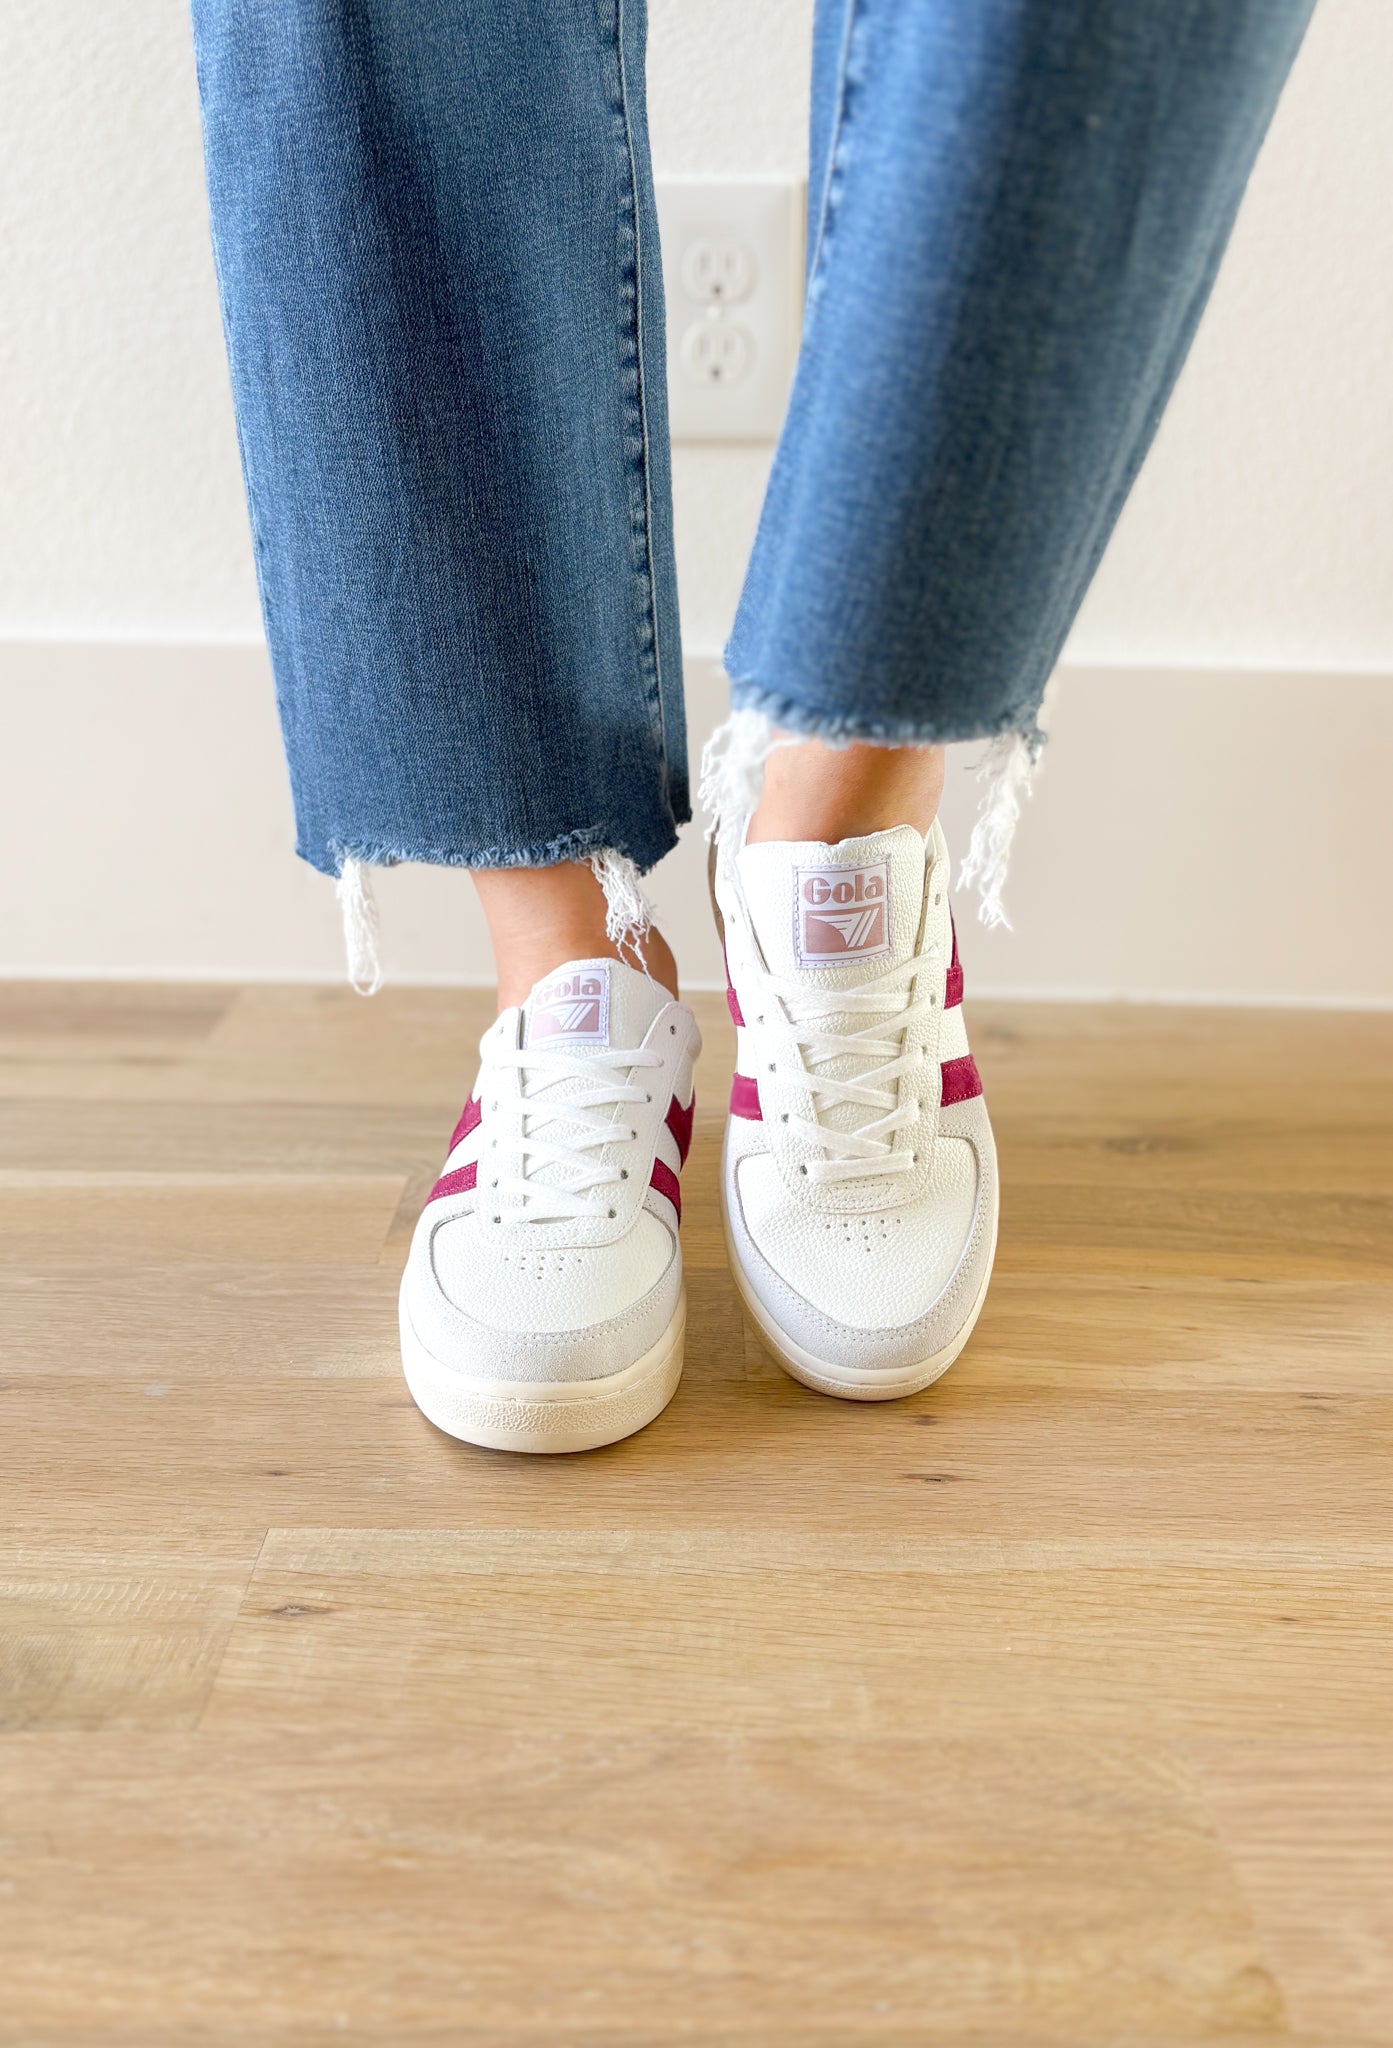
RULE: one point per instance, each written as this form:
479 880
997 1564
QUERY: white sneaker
859 1180
542 1307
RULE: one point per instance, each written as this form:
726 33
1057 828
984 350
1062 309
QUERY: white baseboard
1206 836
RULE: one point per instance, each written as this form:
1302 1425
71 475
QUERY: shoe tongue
834 916
587 1006
590 1005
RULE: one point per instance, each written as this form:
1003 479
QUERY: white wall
1258 541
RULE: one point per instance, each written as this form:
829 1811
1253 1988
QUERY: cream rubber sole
851 1383
544 1415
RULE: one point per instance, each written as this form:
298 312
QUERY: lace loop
576 1124
868 1150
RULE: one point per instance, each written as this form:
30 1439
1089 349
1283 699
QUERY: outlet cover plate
733 285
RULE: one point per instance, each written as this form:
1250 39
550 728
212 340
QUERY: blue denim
1016 212
437 253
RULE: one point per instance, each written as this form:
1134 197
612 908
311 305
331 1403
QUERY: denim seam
255 524
834 143
1133 454
641 501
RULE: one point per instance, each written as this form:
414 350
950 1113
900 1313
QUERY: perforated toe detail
872 1272
509 1284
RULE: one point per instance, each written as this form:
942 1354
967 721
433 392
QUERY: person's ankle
521 965
828 793
539 918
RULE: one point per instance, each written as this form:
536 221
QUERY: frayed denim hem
849 728
628 913
732 771
578 845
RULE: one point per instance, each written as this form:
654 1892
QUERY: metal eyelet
803 1169
623 1173
612 1214
784 1117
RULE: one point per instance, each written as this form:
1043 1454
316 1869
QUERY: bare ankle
539 918
815 791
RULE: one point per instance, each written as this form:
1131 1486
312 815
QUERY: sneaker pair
542 1307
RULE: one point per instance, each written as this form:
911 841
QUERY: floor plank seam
211 1688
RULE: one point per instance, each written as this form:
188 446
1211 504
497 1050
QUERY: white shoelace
868 1151
517 1197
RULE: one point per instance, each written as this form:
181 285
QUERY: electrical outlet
733 281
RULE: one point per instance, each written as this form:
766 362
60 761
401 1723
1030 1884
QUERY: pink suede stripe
744 1099
665 1181
457 1183
470 1118
679 1122
961 1080
732 999
953 993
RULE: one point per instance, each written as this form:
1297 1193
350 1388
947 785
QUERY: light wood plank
163 1322
1086 1331
678 2032
783 1722
221 1137
415 1047
1306 1154
341 1218
86 1022
729 1452
729 1631
1310 1830
1141 1233
1135 1062
99 1636
672 1884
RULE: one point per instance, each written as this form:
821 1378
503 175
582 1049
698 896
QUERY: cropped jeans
438 259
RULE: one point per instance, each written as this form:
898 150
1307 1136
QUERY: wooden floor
1055 1705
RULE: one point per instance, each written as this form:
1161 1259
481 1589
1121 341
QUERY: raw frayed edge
1007 771
732 768
628 912
359 909
732 778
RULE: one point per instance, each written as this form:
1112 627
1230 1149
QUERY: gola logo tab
841 914
574 1007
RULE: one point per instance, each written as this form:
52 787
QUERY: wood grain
622 1881
1180 1467
1052 1706
197 1215
1310 1830
96 1635
720 1630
